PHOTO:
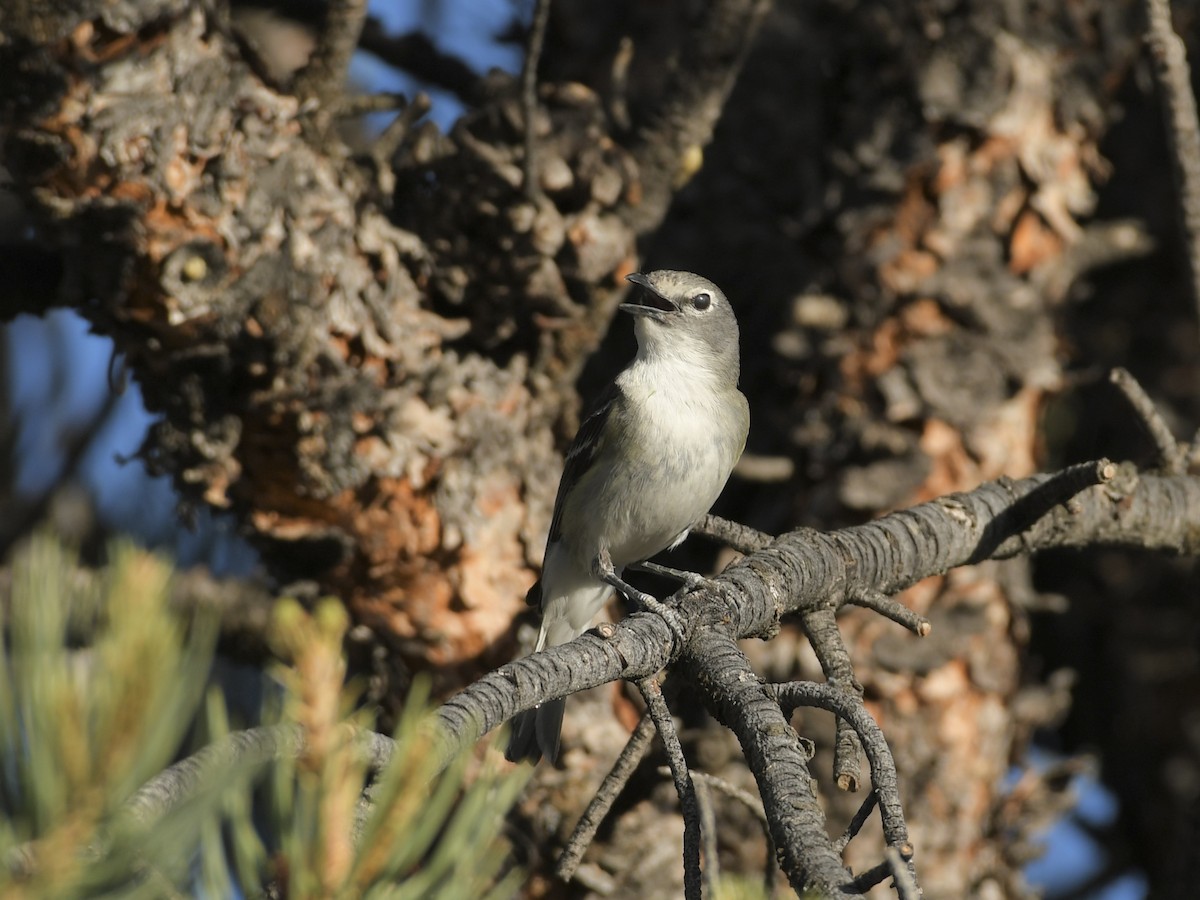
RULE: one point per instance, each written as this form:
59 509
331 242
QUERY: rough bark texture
371 362
374 395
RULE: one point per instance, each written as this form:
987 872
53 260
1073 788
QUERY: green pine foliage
101 683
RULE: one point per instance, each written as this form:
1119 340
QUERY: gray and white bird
648 462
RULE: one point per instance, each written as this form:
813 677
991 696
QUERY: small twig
618 106
420 57
529 99
397 131
898 864
324 78
863 882
902 874
857 822
1005 535
1170 454
729 789
891 608
826 640
1183 127
20 518
362 104
708 838
180 782
754 805
849 706
614 782
652 693
740 537
118 371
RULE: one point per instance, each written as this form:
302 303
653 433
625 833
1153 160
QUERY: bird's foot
604 570
683 576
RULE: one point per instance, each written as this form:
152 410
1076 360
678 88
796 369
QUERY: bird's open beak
650 303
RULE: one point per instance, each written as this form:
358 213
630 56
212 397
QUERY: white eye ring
702 301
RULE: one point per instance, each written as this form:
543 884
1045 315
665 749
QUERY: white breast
675 465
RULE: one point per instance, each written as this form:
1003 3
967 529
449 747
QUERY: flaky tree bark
366 362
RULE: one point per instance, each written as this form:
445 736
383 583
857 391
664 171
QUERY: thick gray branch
800 572
735 695
807 570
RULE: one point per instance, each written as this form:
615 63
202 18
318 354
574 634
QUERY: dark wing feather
582 452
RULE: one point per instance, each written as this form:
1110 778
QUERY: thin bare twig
717 783
614 782
529 99
323 80
362 104
1183 125
857 822
618 106
849 706
821 628
708 837
652 693
891 608
1171 455
740 537
420 57
765 469
752 803
864 881
896 865
902 874
397 131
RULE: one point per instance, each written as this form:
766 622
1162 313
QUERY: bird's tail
535 732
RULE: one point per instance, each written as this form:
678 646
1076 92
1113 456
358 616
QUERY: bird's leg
691 579
603 568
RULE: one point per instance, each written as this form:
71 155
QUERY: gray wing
582 453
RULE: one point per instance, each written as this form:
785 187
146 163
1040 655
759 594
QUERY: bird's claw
691 580
604 570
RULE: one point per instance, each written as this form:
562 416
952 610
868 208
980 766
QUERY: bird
648 462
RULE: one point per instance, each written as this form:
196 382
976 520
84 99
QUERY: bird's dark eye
702 301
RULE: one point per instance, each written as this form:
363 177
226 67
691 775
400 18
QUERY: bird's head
684 316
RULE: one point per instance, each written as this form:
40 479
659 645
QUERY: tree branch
652 693
754 805
1183 126
808 570
420 57
670 144
606 795
777 759
251 747
1171 455
529 98
821 628
323 80
804 571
